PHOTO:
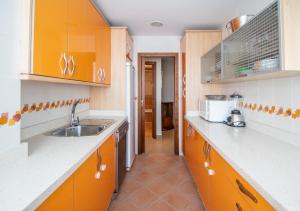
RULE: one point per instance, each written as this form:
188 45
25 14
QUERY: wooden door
61 199
81 48
50 39
107 151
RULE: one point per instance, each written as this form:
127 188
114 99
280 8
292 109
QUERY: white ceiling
177 15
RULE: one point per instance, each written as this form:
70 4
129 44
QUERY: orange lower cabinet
246 191
107 151
94 180
87 187
219 185
61 199
223 192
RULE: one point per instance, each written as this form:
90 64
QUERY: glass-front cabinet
267 46
211 64
255 48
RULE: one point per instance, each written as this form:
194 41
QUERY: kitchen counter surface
270 165
26 182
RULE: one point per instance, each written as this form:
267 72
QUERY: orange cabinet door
108 174
81 42
50 38
87 188
222 190
94 193
202 180
61 199
103 52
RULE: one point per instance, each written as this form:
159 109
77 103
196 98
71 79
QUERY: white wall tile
283 92
36 92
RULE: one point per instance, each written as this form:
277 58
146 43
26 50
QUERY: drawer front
254 199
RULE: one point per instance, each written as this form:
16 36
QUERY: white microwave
215 110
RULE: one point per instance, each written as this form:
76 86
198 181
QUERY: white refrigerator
130 110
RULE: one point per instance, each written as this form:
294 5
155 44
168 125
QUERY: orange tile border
272 110
11 120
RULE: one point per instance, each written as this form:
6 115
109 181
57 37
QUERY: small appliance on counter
215 109
236 118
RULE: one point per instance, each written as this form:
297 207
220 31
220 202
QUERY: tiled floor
158 181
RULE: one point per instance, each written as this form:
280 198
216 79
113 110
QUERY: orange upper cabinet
50 47
102 70
71 40
81 41
61 199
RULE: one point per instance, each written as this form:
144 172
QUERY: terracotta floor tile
146 177
158 181
160 206
130 185
123 206
188 188
159 187
142 198
195 205
176 199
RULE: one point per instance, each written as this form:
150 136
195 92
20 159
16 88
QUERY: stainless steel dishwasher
121 135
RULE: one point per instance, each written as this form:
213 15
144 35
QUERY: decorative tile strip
6 119
272 110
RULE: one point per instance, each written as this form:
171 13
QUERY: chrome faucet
74 121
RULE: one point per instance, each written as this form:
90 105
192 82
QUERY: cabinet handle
99 161
100 74
184 80
104 75
103 167
64 69
73 65
189 132
211 172
246 192
238 207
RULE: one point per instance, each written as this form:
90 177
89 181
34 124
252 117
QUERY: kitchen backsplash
43 102
273 102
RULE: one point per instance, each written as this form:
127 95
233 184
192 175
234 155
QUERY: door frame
141 100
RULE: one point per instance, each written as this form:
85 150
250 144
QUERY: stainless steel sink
77 131
89 127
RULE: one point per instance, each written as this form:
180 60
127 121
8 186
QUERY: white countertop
26 182
270 165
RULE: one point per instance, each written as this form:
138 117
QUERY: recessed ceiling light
156 24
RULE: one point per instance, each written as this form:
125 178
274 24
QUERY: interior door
50 39
81 34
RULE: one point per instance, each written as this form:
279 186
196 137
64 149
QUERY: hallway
158 181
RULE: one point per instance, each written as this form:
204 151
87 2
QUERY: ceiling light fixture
156 24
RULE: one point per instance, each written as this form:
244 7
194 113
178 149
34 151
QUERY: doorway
156 108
